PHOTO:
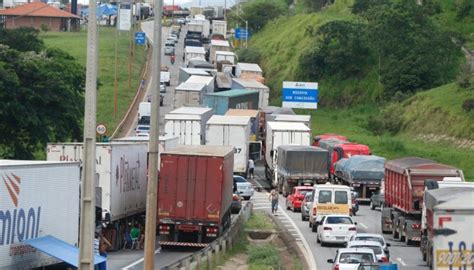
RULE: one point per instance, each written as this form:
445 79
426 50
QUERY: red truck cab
327 136
346 150
294 200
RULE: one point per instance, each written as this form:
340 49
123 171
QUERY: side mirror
330 261
416 205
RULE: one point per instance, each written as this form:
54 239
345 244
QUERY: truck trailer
121 177
447 238
195 194
188 124
363 173
299 165
231 131
38 198
404 186
282 133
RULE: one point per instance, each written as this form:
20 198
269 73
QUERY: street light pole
152 186
87 218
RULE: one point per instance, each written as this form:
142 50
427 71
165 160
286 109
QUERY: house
38 15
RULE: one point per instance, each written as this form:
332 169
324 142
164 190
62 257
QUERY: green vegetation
75 44
41 94
263 257
259 221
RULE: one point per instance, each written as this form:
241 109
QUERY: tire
372 206
247 198
302 218
317 240
287 206
314 227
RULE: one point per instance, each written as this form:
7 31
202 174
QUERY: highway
368 221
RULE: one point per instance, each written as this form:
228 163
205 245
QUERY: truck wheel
394 232
317 239
314 228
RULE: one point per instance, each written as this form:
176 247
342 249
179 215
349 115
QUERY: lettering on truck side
127 175
460 258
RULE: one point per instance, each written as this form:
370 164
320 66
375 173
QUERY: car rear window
353 258
324 196
377 250
340 197
338 220
239 180
304 191
370 238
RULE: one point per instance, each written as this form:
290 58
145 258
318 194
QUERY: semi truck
404 186
231 131
188 124
219 28
189 94
362 173
195 194
39 198
298 165
221 102
282 133
121 177
342 149
447 239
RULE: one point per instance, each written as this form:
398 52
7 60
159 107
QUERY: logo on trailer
17 224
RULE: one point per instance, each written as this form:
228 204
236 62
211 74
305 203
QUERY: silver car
244 188
306 205
169 50
372 237
373 245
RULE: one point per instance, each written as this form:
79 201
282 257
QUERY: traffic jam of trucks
209 137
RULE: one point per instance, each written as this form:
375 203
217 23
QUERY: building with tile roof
36 15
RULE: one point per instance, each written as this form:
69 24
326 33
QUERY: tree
23 39
249 55
361 6
41 96
259 13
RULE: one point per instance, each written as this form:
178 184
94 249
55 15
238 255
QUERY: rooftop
249 67
234 93
200 150
37 9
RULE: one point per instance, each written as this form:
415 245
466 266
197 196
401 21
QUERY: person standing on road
274 199
251 166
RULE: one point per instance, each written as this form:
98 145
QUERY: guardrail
217 247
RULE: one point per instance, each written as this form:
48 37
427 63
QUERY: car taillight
352 229
211 230
416 226
327 228
384 259
314 211
336 267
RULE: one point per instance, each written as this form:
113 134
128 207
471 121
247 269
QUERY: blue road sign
140 38
302 95
241 33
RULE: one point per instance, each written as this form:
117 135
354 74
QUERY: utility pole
87 223
152 187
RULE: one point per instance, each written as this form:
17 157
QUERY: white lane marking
363 225
401 261
139 260
257 208
257 203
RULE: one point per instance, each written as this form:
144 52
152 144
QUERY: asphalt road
407 257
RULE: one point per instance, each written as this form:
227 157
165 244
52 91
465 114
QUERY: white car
162 88
336 229
173 37
373 245
142 129
350 258
371 237
244 188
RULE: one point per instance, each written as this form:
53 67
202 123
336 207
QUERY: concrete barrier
216 248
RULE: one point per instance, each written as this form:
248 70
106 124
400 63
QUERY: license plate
340 238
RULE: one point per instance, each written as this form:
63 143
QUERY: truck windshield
324 196
340 197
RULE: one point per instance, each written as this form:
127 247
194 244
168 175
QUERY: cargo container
195 194
121 175
327 136
298 165
189 94
225 57
254 120
232 99
298 118
165 143
446 212
218 45
206 25
186 73
362 173
248 71
264 91
193 53
265 114
219 28
165 78
195 28
231 131
404 187
223 82
38 198
188 124
200 64
207 80
282 133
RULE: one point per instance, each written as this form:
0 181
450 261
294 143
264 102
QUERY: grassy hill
433 124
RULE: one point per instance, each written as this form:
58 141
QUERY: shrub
464 78
392 145
388 121
264 256
249 55
468 105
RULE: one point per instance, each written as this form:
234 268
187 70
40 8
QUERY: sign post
140 38
300 95
124 17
